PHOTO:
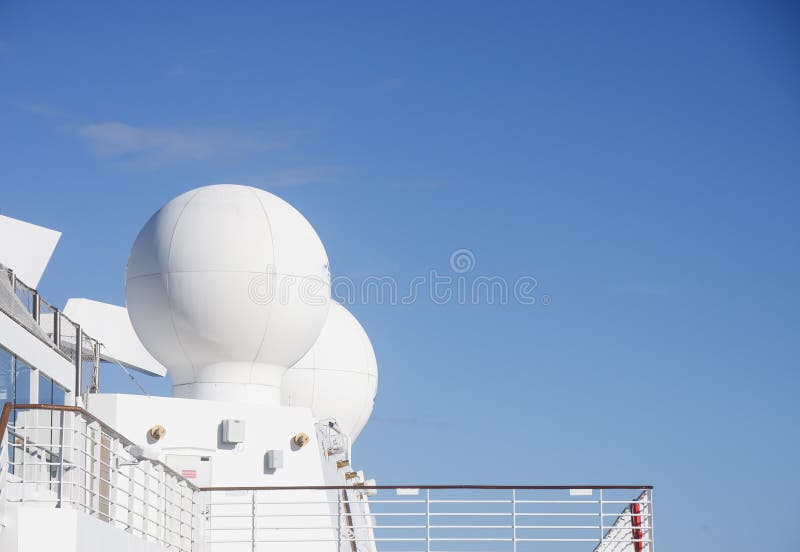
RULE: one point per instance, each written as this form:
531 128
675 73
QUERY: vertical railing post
131 502
22 462
86 452
194 518
59 504
199 521
113 467
35 307
163 513
427 520
514 519
95 388
651 518
339 494
73 437
97 470
57 330
6 456
253 520
169 522
78 361
145 498
602 534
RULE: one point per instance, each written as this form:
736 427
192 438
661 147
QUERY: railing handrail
430 487
77 409
49 343
54 342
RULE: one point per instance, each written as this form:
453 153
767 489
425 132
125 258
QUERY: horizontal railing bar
469 501
467 527
379 527
629 514
557 514
471 514
564 502
351 501
562 540
312 502
429 487
331 528
470 539
558 527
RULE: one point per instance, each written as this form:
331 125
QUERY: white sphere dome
338 377
227 286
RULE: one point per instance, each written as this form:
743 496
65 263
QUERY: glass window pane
59 394
22 383
6 376
45 390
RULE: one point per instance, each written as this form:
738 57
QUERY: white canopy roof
111 325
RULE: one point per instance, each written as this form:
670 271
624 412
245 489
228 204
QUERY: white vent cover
233 431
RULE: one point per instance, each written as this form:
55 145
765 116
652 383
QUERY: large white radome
227 286
338 377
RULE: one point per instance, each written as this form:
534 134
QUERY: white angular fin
26 248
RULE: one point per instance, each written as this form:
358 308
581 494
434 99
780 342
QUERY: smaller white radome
338 377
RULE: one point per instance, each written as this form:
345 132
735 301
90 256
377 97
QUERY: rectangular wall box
233 431
273 459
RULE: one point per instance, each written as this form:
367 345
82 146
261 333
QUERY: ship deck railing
63 457
25 305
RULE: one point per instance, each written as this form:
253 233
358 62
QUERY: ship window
22 383
45 390
6 376
59 394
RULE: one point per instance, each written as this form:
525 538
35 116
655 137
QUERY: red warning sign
189 474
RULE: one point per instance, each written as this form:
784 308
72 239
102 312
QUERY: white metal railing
26 306
63 457
430 518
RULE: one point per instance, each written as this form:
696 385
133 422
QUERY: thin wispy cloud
42 110
145 147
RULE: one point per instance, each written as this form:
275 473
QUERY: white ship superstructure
228 291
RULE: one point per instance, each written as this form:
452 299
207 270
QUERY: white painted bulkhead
194 428
194 436
37 529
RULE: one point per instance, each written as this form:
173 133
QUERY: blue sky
639 160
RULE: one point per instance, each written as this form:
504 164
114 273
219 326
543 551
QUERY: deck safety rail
51 326
469 518
63 457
